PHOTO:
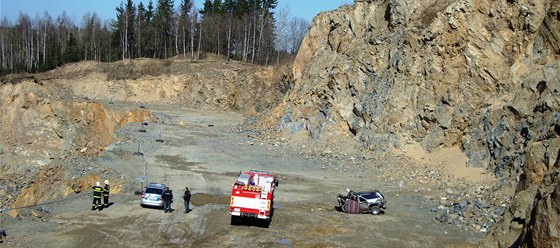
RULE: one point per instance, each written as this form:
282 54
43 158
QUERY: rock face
533 218
206 83
481 75
39 133
41 130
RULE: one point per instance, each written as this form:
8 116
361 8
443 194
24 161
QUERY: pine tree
150 32
244 29
164 27
119 35
185 24
140 29
72 51
266 40
228 7
129 26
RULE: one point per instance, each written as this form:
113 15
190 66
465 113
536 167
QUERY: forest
251 31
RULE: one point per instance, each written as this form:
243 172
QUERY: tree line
245 30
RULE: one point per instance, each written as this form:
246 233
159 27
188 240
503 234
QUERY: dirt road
204 150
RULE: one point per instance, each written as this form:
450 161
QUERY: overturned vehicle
362 202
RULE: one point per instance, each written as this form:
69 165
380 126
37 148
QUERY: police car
152 195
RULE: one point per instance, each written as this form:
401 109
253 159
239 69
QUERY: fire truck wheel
375 210
265 223
235 220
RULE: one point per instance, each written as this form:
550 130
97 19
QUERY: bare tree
4 27
176 31
87 34
200 27
244 29
281 37
47 23
184 24
96 41
193 20
296 33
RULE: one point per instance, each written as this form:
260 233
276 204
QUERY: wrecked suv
362 202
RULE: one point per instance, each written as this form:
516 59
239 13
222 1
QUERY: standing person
187 199
97 190
106 194
167 199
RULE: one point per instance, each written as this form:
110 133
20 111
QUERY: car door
364 206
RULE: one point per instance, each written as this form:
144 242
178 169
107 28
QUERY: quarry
450 108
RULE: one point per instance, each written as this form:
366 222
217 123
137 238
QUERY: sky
105 9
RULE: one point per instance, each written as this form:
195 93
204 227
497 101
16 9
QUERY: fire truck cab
252 196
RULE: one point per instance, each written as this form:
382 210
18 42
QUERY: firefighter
97 190
255 179
106 194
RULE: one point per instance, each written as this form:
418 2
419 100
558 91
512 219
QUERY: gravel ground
204 150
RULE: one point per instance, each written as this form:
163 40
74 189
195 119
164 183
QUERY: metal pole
139 148
145 167
159 139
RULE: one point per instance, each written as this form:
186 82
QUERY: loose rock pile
456 201
475 207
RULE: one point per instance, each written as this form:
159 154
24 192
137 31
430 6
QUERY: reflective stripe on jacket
97 191
106 190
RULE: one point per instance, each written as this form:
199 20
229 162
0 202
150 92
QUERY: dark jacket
187 196
97 191
106 190
167 196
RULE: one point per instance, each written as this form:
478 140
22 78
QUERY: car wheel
375 210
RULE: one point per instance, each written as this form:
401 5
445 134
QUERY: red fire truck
252 196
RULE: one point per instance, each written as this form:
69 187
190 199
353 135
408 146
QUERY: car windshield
154 191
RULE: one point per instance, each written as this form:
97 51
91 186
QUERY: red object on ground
352 207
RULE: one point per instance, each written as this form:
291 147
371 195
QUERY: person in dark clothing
167 200
97 190
187 199
106 194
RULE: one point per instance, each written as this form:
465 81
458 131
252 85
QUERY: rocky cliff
481 75
42 137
